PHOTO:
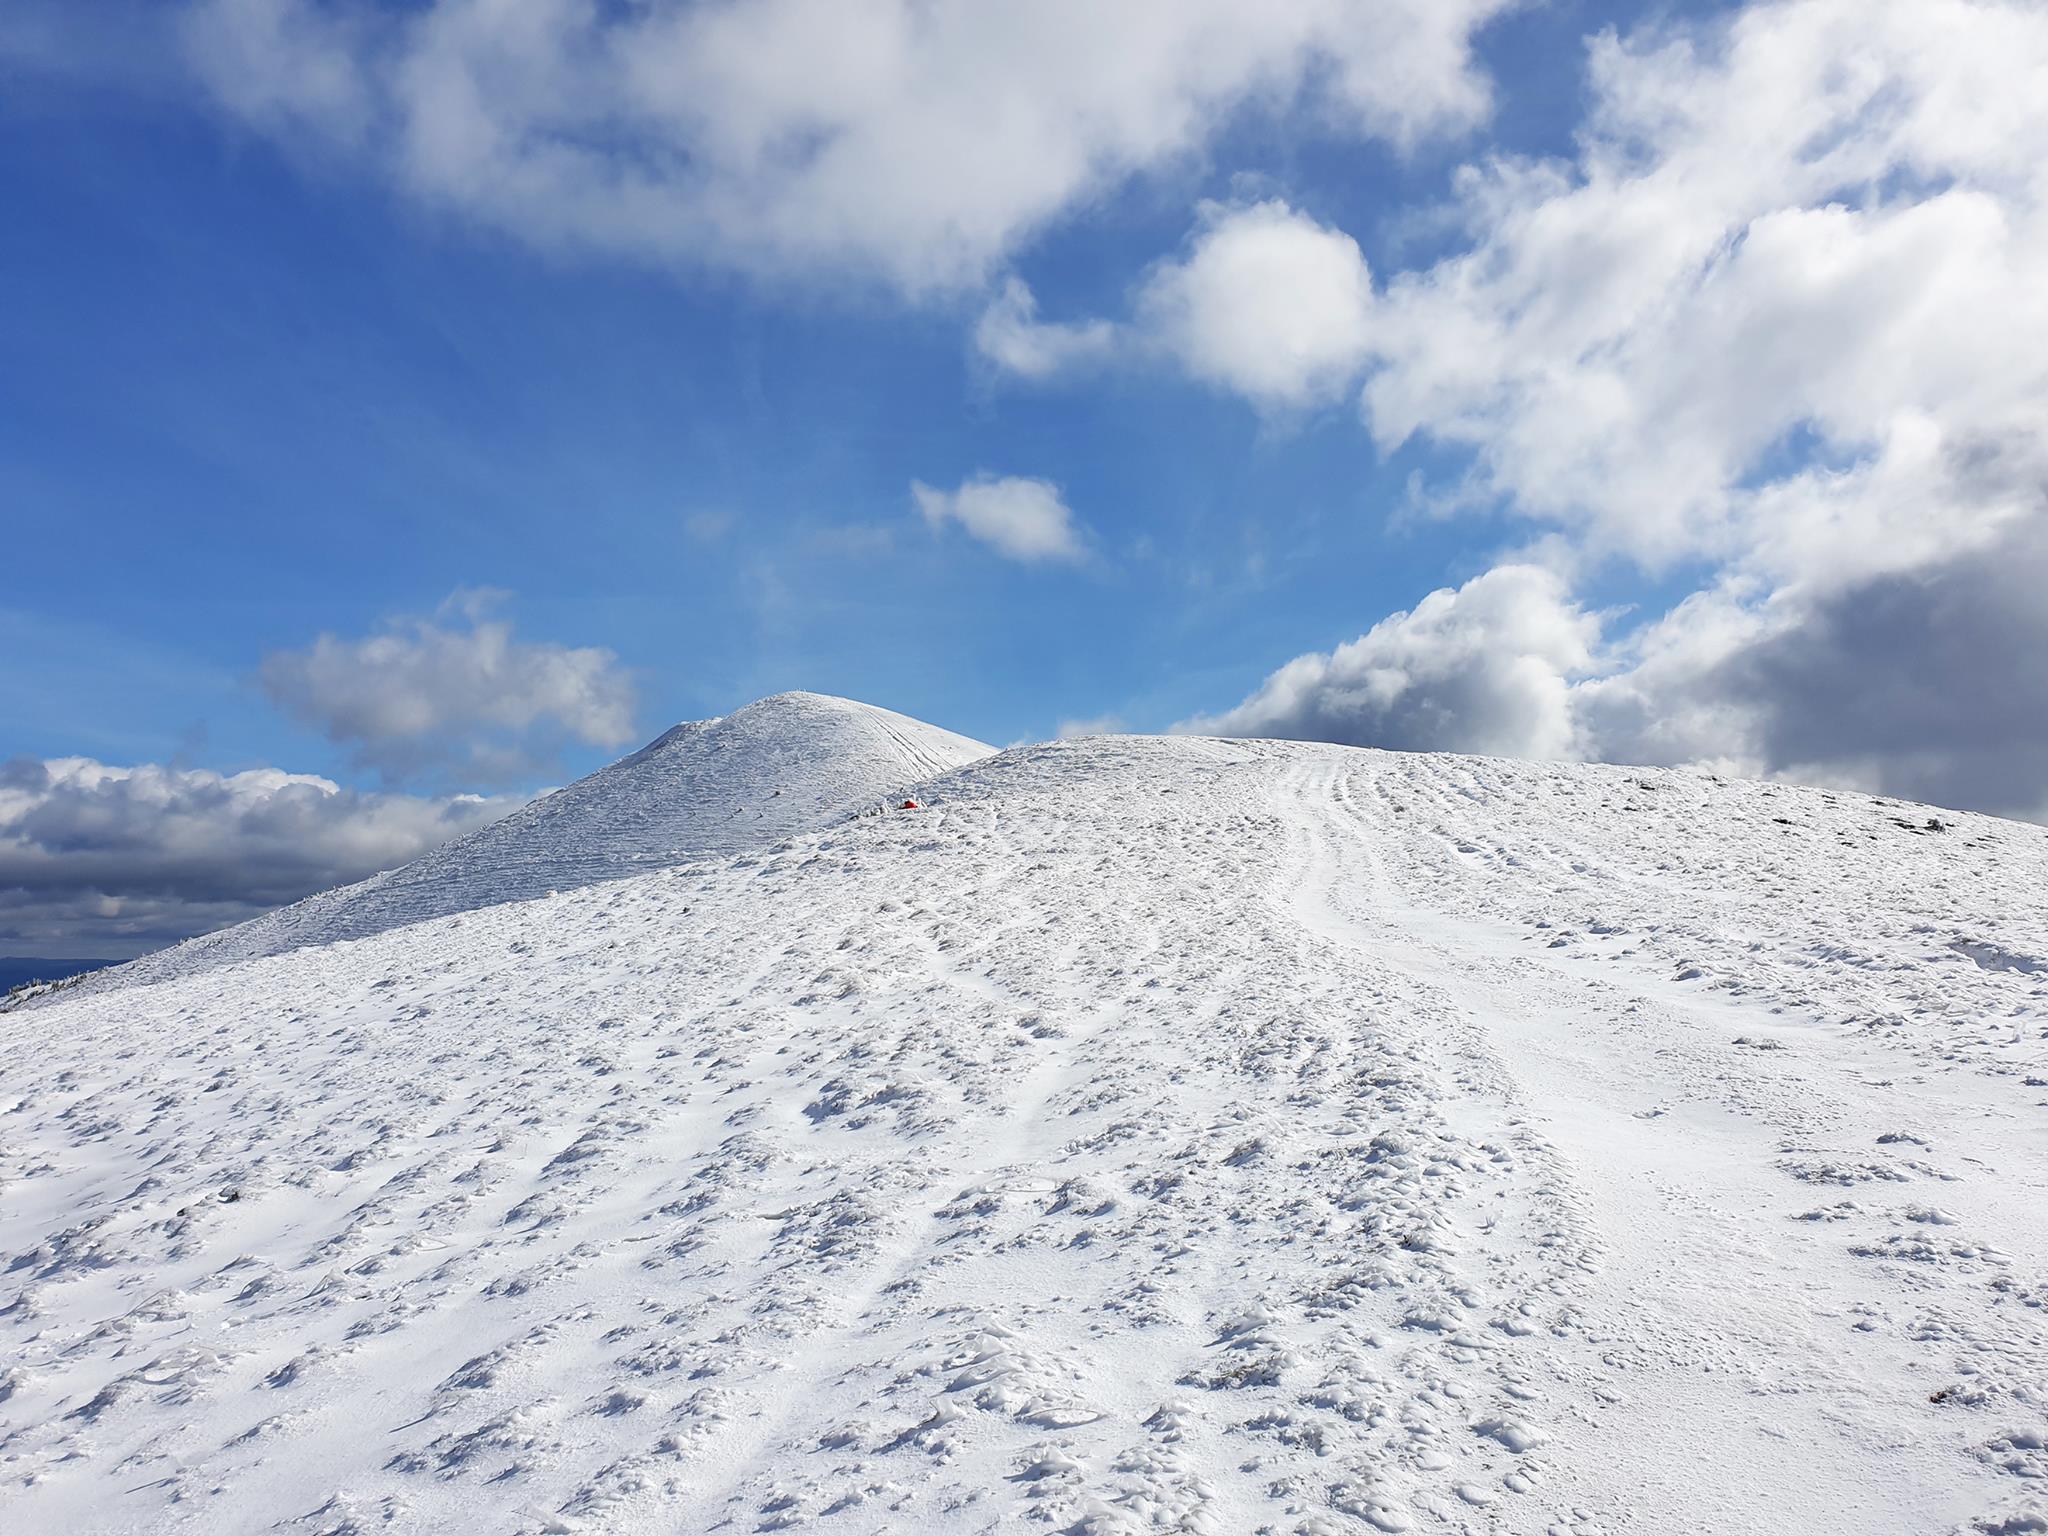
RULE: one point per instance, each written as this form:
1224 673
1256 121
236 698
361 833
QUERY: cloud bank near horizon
98 858
111 860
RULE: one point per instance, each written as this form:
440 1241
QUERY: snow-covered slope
789 763
1151 1135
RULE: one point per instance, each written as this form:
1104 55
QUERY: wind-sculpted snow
1150 1135
791 763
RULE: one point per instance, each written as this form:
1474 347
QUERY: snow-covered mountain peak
786 764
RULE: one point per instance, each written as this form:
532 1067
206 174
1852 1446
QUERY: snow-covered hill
1150 1135
789 763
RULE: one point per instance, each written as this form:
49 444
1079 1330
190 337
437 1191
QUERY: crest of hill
1232 1135
789 763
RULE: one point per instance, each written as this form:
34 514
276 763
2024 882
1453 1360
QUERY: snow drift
1148 1135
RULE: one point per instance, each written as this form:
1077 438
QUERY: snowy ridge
784 764
1150 1135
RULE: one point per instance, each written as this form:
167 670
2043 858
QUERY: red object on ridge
910 805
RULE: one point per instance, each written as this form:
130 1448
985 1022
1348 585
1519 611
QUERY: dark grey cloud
1929 684
105 860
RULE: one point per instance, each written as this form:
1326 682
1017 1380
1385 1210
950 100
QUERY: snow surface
790 763
1149 1135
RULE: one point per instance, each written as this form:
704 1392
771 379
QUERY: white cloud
1815 231
1268 304
1011 335
1487 667
1781 316
1814 228
1024 519
97 859
921 142
426 691
286 66
1782 301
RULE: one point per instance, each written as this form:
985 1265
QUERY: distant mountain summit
789 763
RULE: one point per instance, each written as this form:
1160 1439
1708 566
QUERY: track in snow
1153 1135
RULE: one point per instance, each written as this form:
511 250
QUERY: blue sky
252 403
265 379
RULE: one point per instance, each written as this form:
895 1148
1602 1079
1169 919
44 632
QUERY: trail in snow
1741 1319
1151 1135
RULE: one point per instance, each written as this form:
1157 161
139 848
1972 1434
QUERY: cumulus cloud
1010 335
914 141
97 859
456 688
1924 684
1024 519
1267 303
1786 293
1780 317
1487 667
1806 235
